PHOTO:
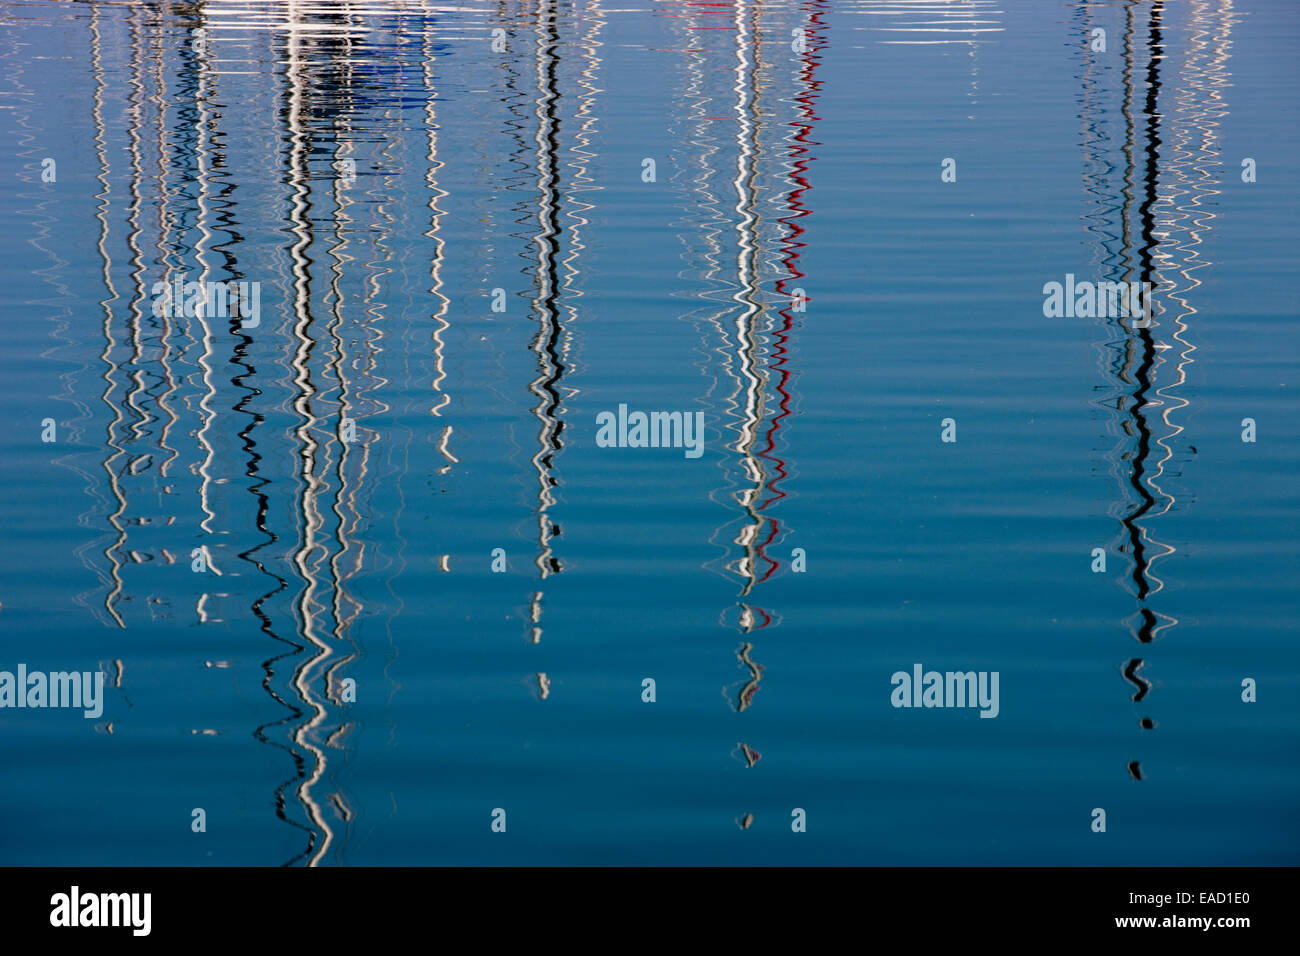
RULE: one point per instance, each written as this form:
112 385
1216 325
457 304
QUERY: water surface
798 271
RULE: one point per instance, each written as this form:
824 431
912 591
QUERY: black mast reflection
1167 175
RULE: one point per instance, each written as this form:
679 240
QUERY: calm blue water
351 683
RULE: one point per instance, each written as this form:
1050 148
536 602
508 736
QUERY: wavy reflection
549 342
745 266
112 372
1148 231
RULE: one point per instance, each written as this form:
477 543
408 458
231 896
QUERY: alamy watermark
949 689
75 908
1100 300
56 689
233 299
651 430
